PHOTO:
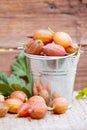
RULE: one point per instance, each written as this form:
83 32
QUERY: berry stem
51 30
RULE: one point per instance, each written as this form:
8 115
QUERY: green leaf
3 78
20 71
26 91
85 91
18 87
20 67
17 70
31 82
80 95
22 61
5 89
16 80
29 88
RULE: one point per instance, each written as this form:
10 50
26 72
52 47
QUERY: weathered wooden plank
6 60
81 75
39 6
80 82
17 7
13 41
15 28
84 1
19 18
8 57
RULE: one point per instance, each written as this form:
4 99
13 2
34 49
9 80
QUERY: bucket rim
37 57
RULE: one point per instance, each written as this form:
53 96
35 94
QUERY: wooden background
20 18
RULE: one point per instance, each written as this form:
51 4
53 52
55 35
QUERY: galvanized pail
59 72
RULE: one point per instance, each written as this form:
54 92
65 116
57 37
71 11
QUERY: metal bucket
59 72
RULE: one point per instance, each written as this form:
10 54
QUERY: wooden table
74 119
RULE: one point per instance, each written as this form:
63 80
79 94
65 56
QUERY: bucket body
58 72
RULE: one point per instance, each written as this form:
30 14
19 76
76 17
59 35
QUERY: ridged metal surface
58 72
